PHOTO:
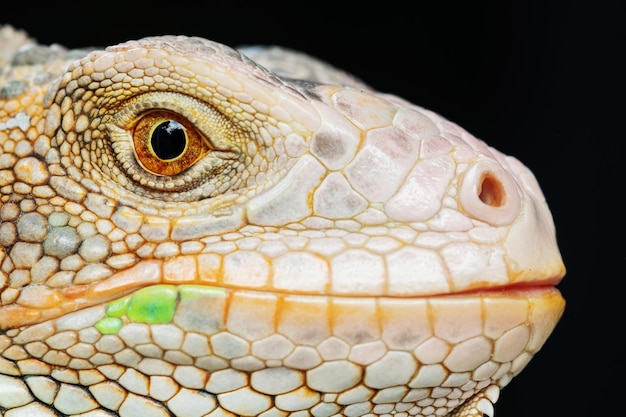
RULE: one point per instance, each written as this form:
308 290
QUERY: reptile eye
167 143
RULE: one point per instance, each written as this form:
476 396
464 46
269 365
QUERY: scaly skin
295 244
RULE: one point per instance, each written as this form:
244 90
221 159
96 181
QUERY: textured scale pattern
191 230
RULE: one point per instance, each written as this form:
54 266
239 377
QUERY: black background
541 80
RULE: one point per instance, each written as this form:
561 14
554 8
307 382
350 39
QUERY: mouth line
39 303
514 288
159 304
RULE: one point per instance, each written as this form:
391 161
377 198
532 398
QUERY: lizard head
178 161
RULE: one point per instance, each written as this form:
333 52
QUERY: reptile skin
191 230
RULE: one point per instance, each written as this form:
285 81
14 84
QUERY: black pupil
168 140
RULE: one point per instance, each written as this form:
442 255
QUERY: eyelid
128 113
209 122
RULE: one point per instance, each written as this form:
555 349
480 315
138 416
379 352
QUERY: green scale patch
155 305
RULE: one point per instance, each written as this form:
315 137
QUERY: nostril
491 191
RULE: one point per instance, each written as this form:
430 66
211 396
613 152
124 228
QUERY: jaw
444 348
502 323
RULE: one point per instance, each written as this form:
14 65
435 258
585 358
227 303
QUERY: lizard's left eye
166 143
172 146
